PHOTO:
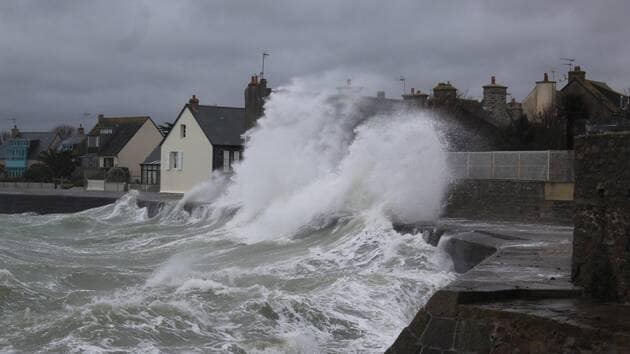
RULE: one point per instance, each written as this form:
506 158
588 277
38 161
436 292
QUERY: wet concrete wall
523 201
59 204
601 247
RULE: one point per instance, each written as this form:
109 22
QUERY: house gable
138 147
196 150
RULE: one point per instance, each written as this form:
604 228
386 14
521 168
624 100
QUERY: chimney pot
193 102
546 77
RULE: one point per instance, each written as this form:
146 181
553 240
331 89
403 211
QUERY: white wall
197 156
542 98
138 148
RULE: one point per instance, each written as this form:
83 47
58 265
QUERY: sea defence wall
547 291
60 202
520 299
512 185
511 200
601 247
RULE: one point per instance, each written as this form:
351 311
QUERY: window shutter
180 160
168 161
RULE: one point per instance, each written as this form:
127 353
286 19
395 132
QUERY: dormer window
106 131
182 131
93 141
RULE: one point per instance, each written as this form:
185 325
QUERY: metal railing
549 166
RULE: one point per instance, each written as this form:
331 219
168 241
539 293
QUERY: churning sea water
293 253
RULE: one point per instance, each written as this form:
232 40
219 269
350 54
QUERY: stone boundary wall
522 201
601 247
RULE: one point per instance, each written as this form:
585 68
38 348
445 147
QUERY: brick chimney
255 94
494 96
193 102
80 130
443 92
577 74
15 131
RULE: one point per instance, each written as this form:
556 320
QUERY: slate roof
154 157
222 125
600 90
71 141
124 128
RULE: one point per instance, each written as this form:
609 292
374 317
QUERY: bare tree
64 130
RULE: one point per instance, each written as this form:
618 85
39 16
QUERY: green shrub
118 174
38 173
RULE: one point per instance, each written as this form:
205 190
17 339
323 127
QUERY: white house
202 139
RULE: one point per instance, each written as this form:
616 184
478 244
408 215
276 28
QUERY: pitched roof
222 125
154 157
123 129
601 91
73 140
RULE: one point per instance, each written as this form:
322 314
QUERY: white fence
101 185
550 166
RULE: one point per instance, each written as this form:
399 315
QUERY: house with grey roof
23 149
203 139
120 142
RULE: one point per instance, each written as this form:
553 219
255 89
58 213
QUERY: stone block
439 333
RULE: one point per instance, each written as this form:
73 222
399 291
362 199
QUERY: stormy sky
61 59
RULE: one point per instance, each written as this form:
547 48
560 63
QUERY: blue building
22 150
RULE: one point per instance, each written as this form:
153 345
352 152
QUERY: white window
182 131
172 160
106 131
176 160
237 155
226 161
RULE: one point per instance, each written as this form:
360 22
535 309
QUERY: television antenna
262 69
569 62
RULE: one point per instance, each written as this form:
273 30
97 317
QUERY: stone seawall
601 262
518 300
524 201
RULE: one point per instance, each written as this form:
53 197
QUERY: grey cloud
60 59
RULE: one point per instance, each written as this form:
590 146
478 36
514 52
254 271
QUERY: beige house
203 139
121 142
541 99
